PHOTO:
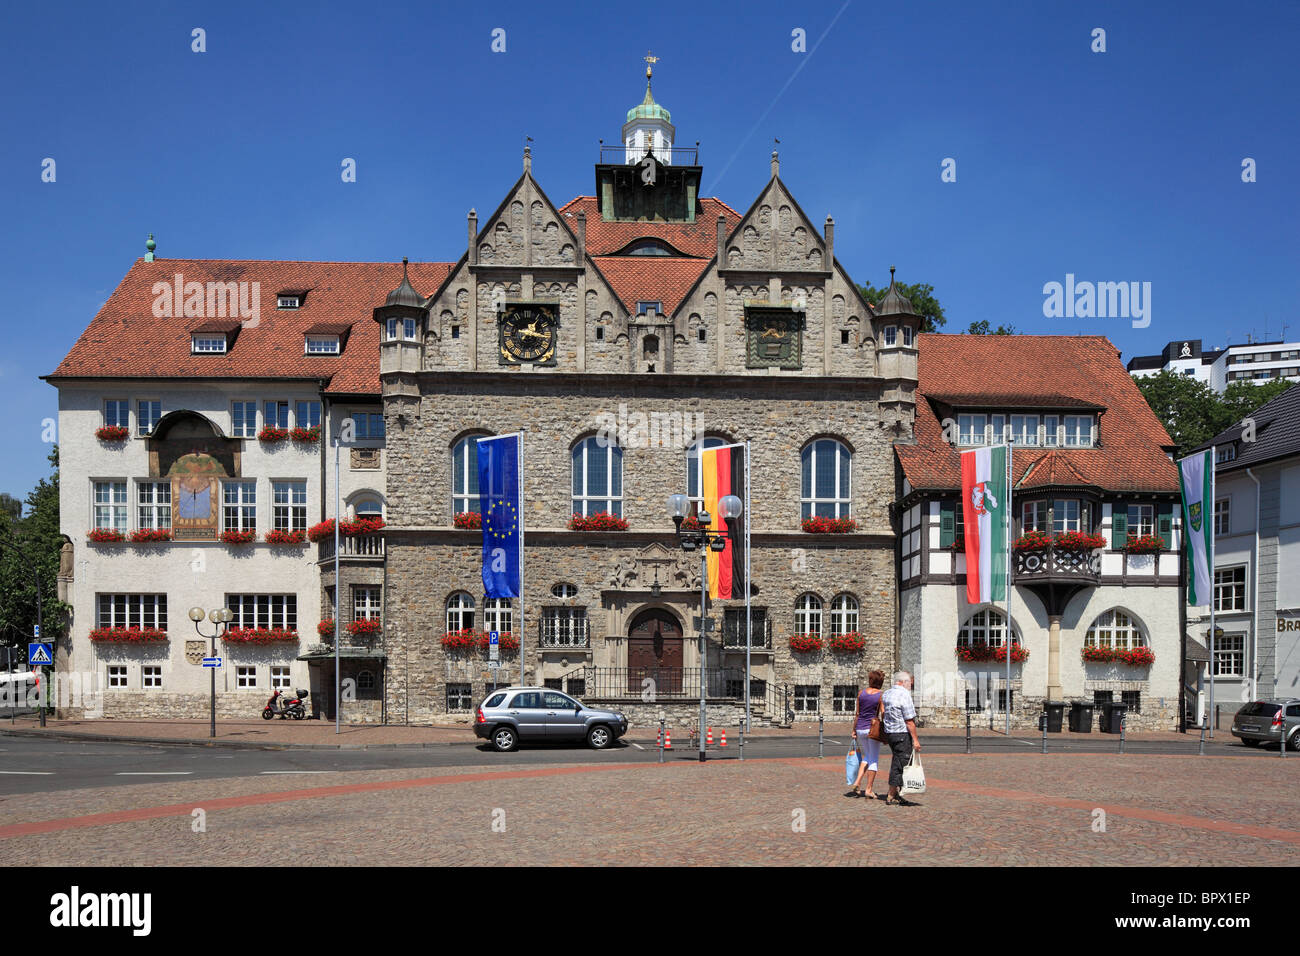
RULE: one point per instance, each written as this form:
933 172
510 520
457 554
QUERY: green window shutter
947 523
1118 526
1165 523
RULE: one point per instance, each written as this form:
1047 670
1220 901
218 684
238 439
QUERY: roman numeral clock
527 332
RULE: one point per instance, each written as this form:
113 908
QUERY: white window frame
117 412
1115 629
1226 584
275 412
889 335
1230 656
153 505
312 409
1082 425
281 679
564 627
367 602
117 677
390 329
986 626
109 504
264 610
115 609
1024 430
321 345
585 499
243 425
289 505
808 614
208 343
460 611
1145 524
245 676
909 335
288 301
464 475
810 457
971 428
1051 431
151 419
1036 516
693 467
844 614
239 510
1223 516
498 615
151 677
1062 521
410 329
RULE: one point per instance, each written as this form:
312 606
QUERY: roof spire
150 246
650 61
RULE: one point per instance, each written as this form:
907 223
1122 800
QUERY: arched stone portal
654 652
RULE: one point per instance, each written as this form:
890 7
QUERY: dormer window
322 345
1225 453
208 343
288 301
643 307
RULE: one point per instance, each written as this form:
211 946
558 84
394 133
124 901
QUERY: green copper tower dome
649 127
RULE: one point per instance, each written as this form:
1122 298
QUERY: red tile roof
699 238
126 340
1085 369
664 279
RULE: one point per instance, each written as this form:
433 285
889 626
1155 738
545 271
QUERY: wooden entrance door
654 651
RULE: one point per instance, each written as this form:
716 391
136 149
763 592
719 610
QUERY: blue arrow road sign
212 662
40 654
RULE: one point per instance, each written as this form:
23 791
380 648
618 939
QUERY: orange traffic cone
668 740
709 741
724 737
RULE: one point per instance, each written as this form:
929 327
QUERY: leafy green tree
11 506
32 544
922 299
1188 409
982 328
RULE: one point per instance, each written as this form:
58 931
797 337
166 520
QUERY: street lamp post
220 618
679 507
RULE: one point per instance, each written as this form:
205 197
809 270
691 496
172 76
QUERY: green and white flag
1196 480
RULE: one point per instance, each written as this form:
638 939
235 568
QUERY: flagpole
1007 548
520 478
1213 463
749 640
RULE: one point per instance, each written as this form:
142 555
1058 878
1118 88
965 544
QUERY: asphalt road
30 765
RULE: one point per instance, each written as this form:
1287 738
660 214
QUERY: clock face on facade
528 333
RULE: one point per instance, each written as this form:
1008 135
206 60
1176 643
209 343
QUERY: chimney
776 165
722 241
472 228
829 233
582 238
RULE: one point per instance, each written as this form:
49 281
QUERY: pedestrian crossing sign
39 655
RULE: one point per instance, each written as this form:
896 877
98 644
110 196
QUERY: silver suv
1269 721
512 714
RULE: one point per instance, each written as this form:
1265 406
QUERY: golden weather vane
650 61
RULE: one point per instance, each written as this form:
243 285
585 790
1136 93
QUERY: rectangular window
1230 656
1132 700
1230 589
1100 697
243 419
264 610
970 429
322 345
306 414
408 329
1141 520
1024 429
391 330
891 334
153 504
1034 516
367 603
116 675
909 335
287 302
1078 431
643 307
1005 697
806 698
844 336
553 683
1222 516
733 627
110 505
844 698
289 505
1068 515
999 428
147 414
564 627
131 610
279 677
1051 430
151 676
368 425
276 414
239 506
245 677
209 344
459 698
117 413
1225 453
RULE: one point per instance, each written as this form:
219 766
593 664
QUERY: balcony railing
1052 563
564 632
361 546
677 155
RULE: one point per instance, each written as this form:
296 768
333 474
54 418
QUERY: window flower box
600 521
1144 544
360 526
506 641
238 537
820 525
326 627
980 652
467 520
260 635
105 536
286 537
271 434
149 535
958 544
1098 654
1033 541
365 627
462 640
128 635
851 643
305 436
113 433
1136 656
1079 541
805 643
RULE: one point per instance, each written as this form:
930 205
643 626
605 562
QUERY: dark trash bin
1080 718
1055 712
1111 715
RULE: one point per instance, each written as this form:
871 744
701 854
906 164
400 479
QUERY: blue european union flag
498 495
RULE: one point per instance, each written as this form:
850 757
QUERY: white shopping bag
913 777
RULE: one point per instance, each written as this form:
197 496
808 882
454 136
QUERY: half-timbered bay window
264 610
564 627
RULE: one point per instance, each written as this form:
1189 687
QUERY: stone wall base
1024 717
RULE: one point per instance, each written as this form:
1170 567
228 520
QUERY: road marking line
637 746
153 773
28 773
835 742
264 772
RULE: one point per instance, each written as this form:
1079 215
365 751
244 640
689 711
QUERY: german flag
722 473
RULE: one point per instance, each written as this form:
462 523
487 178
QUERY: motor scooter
283 706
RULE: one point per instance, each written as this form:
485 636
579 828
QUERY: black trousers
900 748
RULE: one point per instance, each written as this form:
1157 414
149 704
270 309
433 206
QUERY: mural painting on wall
188 452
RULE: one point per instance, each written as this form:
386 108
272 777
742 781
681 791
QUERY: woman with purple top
868 708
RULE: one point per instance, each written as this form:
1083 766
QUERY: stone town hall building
670 316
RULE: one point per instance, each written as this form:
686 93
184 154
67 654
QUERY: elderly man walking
900 733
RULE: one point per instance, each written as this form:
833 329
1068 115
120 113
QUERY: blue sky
1115 166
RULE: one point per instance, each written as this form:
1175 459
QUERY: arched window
693 468
825 488
564 591
368 507
844 615
460 612
597 477
808 615
464 475
497 615
988 626
1115 629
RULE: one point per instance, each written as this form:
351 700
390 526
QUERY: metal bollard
661 740
968 731
1202 750
1042 723
1123 723
742 740
821 743
1281 744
